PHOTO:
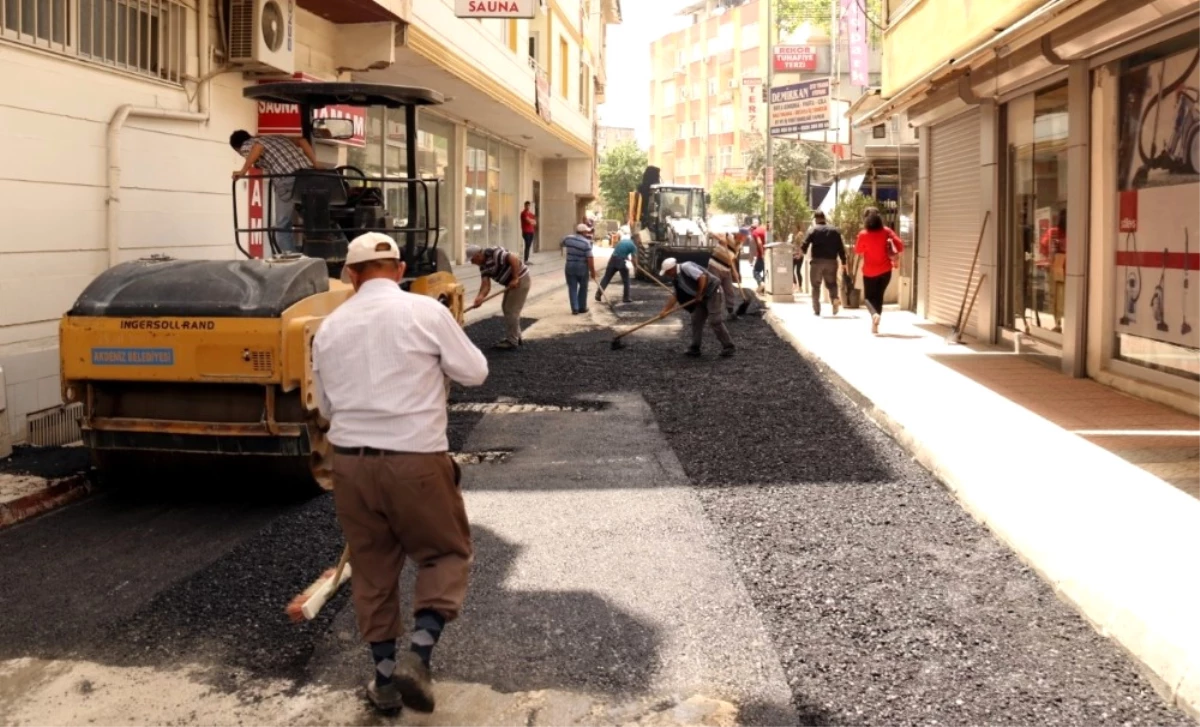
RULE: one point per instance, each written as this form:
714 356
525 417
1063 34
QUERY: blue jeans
283 223
577 287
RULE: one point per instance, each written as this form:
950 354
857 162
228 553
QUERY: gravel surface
50 463
886 602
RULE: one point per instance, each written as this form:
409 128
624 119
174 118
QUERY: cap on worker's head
472 251
668 265
371 246
582 228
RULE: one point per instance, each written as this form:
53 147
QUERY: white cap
581 228
668 265
472 251
371 246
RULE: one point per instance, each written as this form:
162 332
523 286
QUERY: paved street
668 541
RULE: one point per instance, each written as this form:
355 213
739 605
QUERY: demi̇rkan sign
800 107
495 8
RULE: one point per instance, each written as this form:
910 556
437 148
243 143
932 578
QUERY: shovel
497 294
617 344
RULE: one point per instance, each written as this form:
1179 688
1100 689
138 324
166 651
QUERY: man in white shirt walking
381 360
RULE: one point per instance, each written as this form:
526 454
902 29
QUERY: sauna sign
495 8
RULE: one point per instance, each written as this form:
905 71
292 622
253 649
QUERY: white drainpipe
112 214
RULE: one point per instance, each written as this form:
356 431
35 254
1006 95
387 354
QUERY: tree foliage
621 170
791 14
791 208
737 197
791 159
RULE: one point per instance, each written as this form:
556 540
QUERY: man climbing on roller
381 361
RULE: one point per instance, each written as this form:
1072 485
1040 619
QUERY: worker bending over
700 292
507 269
621 254
381 361
723 263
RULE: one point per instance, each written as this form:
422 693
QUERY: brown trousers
395 506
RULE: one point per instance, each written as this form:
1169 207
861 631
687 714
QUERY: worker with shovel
380 361
507 269
700 292
723 263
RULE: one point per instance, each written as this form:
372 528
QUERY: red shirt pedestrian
528 221
873 246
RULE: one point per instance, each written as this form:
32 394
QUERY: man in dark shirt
828 254
700 292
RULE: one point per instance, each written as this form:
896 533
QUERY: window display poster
1158 264
1159 138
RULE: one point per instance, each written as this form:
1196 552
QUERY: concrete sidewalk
1055 467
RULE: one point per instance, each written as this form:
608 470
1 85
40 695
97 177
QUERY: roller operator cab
183 367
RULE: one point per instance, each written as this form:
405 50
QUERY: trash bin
779 272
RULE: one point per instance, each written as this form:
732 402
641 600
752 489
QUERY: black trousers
873 289
616 267
528 237
798 272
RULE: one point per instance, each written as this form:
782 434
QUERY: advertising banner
752 100
1158 225
854 25
542 94
284 118
795 58
800 107
495 8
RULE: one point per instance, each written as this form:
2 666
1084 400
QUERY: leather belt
372 452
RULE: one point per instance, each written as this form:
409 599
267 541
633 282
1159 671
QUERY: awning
852 184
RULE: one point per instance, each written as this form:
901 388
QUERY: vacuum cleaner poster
1158 241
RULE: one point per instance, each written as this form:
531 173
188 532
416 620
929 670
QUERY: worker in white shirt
381 361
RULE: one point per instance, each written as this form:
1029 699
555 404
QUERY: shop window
491 193
141 36
1157 257
1037 231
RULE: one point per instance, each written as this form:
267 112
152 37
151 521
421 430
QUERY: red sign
1129 211
255 199
284 118
795 58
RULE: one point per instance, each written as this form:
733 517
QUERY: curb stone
1154 663
56 494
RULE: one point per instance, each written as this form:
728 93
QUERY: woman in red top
879 249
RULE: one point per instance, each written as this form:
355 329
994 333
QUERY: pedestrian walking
381 362
581 265
828 257
759 233
618 264
796 240
880 250
507 269
723 263
528 229
699 291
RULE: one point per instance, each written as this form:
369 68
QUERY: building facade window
682 131
146 37
750 37
585 85
510 34
697 52
727 118
668 94
490 193
712 86
725 159
564 66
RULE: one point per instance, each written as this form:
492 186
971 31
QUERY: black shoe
598 296
585 310
627 300
693 352
411 679
385 699
728 351
505 345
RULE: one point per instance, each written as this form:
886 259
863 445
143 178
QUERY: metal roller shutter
954 204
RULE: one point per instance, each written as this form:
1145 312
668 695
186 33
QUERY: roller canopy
317 95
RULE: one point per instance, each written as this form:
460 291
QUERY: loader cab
674 202
333 206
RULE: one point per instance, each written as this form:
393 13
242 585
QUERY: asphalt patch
886 602
51 463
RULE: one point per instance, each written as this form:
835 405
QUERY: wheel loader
668 220
195 368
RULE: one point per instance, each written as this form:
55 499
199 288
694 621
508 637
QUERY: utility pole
769 172
835 87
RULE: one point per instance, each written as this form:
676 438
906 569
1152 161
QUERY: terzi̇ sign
495 8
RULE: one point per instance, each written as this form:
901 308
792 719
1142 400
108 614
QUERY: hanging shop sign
495 8
284 118
854 24
752 100
542 94
800 107
1158 221
789 58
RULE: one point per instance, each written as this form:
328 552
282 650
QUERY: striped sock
384 654
426 632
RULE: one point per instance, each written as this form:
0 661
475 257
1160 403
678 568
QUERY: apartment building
707 93
609 136
118 113
1069 132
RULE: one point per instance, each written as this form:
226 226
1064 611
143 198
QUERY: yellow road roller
196 367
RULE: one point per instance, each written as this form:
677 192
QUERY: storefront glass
1037 229
491 193
1158 222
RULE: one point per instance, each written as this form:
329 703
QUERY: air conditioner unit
262 34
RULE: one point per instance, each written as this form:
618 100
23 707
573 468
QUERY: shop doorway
1037 237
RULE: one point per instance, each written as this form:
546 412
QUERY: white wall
175 189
